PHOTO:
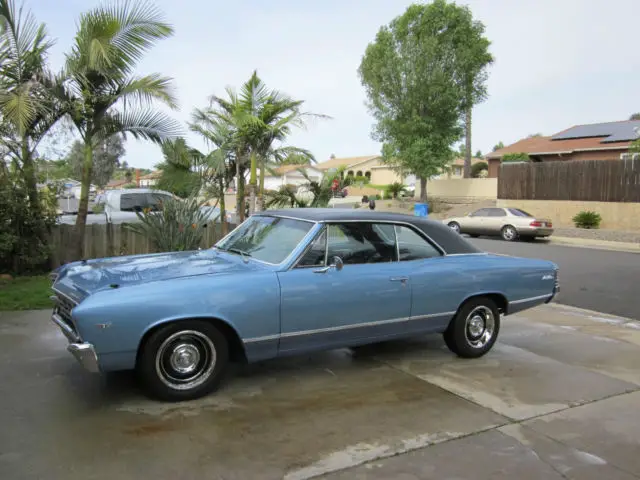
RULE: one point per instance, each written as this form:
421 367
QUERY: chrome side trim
66 329
531 299
72 300
346 327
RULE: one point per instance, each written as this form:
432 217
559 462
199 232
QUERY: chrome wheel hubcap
480 326
509 233
185 360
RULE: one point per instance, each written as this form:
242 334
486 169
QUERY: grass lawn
25 293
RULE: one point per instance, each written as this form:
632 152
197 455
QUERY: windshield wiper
245 255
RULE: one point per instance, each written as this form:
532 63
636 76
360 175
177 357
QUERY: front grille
63 309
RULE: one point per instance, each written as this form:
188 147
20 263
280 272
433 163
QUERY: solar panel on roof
614 132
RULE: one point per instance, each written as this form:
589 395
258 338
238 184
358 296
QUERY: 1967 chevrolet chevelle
286 282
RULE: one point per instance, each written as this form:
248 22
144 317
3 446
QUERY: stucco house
290 175
596 141
370 166
150 179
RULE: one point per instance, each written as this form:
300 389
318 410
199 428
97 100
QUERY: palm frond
144 124
146 89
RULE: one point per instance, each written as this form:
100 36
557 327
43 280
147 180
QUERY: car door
494 221
437 285
475 222
325 306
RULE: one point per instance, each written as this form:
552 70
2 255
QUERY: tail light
535 223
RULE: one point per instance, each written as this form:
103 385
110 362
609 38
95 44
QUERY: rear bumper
535 231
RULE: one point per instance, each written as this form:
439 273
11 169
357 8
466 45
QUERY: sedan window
412 246
497 212
357 243
519 213
268 239
315 254
483 212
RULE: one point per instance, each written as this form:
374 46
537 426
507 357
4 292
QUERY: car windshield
268 239
519 213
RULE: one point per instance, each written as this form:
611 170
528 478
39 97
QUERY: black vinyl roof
451 242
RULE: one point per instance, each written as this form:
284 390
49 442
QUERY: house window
368 175
457 171
359 174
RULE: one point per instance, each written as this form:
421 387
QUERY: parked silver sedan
510 223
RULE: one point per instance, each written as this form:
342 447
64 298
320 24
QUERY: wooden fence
112 240
579 180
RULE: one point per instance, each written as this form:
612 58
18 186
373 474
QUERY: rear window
519 213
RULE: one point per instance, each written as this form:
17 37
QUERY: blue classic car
287 282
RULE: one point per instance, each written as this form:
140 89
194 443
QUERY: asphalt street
600 280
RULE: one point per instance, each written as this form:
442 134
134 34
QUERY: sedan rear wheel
183 360
474 329
455 226
509 233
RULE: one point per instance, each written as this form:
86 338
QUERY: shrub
177 226
477 168
587 219
515 157
24 231
394 190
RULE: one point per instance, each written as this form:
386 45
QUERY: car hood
80 279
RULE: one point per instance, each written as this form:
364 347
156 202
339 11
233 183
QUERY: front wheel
183 360
474 329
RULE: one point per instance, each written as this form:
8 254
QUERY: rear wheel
509 233
474 329
455 226
183 360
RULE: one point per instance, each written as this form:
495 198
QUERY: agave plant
178 225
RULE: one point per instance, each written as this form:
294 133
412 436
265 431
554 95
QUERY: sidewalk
596 244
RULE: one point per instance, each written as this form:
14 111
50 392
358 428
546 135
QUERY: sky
558 63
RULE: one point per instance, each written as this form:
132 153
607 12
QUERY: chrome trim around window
531 299
347 327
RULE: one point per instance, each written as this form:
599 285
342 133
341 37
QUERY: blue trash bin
421 210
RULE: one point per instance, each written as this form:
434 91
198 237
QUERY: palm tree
104 96
27 110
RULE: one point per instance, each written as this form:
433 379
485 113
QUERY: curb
595 244
591 313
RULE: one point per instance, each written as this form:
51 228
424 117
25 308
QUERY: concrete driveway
558 397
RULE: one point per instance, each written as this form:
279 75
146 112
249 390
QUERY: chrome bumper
83 352
86 355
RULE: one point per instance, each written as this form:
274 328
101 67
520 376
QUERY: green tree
498 146
103 94
106 157
478 168
478 154
260 120
416 83
178 176
27 110
634 116
472 51
515 157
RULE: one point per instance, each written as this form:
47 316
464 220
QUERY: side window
154 200
483 212
357 243
133 202
315 254
412 246
497 212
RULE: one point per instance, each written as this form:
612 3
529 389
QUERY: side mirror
337 263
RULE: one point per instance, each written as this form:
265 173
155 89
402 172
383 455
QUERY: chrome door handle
399 279
322 270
